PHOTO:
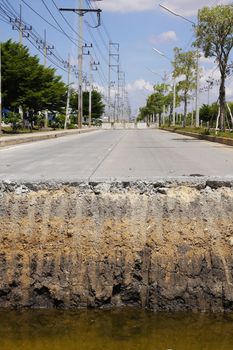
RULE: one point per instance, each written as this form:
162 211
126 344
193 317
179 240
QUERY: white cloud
229 92
206 60
185 7
128 5
140 84
164 37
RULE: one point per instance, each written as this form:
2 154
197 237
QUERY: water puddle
114 330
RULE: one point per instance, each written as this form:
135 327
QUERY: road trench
163 245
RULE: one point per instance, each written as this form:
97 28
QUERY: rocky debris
162 245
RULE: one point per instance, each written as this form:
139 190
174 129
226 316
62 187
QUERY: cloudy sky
136 25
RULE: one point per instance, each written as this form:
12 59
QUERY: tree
144 113
26 83
157 101
96 101
184 67
161 99
209 113
214 35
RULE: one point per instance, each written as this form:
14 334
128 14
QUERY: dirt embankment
156 245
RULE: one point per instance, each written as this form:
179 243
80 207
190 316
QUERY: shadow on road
187 140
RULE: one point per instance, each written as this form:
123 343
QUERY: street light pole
197 63
174 89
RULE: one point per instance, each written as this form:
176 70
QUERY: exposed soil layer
164 246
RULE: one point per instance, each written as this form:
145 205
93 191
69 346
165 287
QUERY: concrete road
116 154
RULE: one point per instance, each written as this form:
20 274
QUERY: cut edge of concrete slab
118 185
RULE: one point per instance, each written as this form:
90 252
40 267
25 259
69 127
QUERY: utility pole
68 94
93 66
81 12
118 91
115 105
121 94
113 54
112 85
197 90
46 51
90 93
80 67
45 47
19 25
84 78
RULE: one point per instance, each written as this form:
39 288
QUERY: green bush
14 119
71 126
206 132
58 122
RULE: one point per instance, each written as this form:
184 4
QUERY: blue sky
137 25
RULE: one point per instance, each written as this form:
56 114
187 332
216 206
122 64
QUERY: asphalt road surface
116 155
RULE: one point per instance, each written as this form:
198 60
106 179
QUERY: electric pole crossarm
81 12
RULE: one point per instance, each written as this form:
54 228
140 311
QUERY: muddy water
114 330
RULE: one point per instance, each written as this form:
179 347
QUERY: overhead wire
67 22
48 57
94 6
9 7
3 20
51 14
44 19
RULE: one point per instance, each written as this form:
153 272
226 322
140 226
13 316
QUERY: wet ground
114 329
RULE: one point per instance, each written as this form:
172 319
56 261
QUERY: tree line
214 36
29 89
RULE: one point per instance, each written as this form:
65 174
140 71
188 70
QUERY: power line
102 22
98 29
58 23
3 20
50 24
9 7
97 46
49 58
67 22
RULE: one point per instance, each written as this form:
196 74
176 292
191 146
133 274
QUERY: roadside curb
19 139
222 140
